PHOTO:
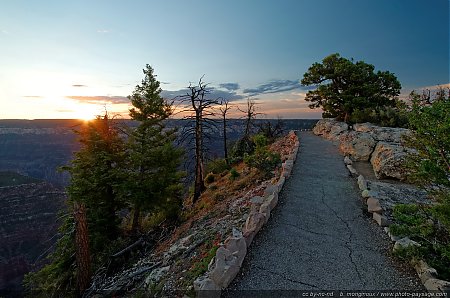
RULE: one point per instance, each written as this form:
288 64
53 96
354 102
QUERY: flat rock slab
318 237
390 194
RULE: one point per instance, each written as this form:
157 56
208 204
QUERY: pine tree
97 172
153 176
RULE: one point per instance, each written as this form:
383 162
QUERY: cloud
213 93
32 96
79 85
64 111
230 86
274 86
103 31
100 99
4 32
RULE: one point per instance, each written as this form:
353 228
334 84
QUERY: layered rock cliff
28 227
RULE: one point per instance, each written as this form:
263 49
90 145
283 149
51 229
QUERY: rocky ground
172 266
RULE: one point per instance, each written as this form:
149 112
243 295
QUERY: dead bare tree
250 115
201 109
224 108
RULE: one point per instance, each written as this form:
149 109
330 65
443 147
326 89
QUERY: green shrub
262 159
217 166
210 178
240 148
383 116
234 174
423 224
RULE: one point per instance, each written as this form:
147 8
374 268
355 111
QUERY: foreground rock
382 146
388 161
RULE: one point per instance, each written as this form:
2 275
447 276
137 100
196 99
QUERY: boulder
364 127
336 130
272 201
362 183
206 287
352 170
404 243
323 127
358 145
265 209
424 271
280 183
347 160
388 161
437 285
253 224
270 189
381 220
228 261
382 134
373 206
330 128
368 193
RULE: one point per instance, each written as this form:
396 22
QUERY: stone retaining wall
229 257
427 274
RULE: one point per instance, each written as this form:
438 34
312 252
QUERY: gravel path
318 237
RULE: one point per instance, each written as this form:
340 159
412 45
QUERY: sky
74 59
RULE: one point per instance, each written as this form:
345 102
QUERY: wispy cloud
5 32
79 85
103 31
64 111
274 86
230 86
100 99
32 96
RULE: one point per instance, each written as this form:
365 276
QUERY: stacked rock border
428 275
229 257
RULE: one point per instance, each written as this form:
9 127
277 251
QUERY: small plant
423 224
234 174
210 178
217 166
262 158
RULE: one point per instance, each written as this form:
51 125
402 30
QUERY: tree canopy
345 86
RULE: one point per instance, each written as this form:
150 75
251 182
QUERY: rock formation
382 146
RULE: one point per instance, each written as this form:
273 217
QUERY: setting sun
86 112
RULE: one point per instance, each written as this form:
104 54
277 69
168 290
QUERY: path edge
227 262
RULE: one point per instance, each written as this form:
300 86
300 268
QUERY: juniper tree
344 86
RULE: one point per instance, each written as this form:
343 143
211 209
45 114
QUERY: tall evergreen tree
153 176
92 222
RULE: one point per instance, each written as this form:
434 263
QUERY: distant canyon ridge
32 189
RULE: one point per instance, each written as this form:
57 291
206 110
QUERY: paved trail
318 237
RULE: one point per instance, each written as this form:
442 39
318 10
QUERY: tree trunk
225 149
199 185
82 248
135 223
